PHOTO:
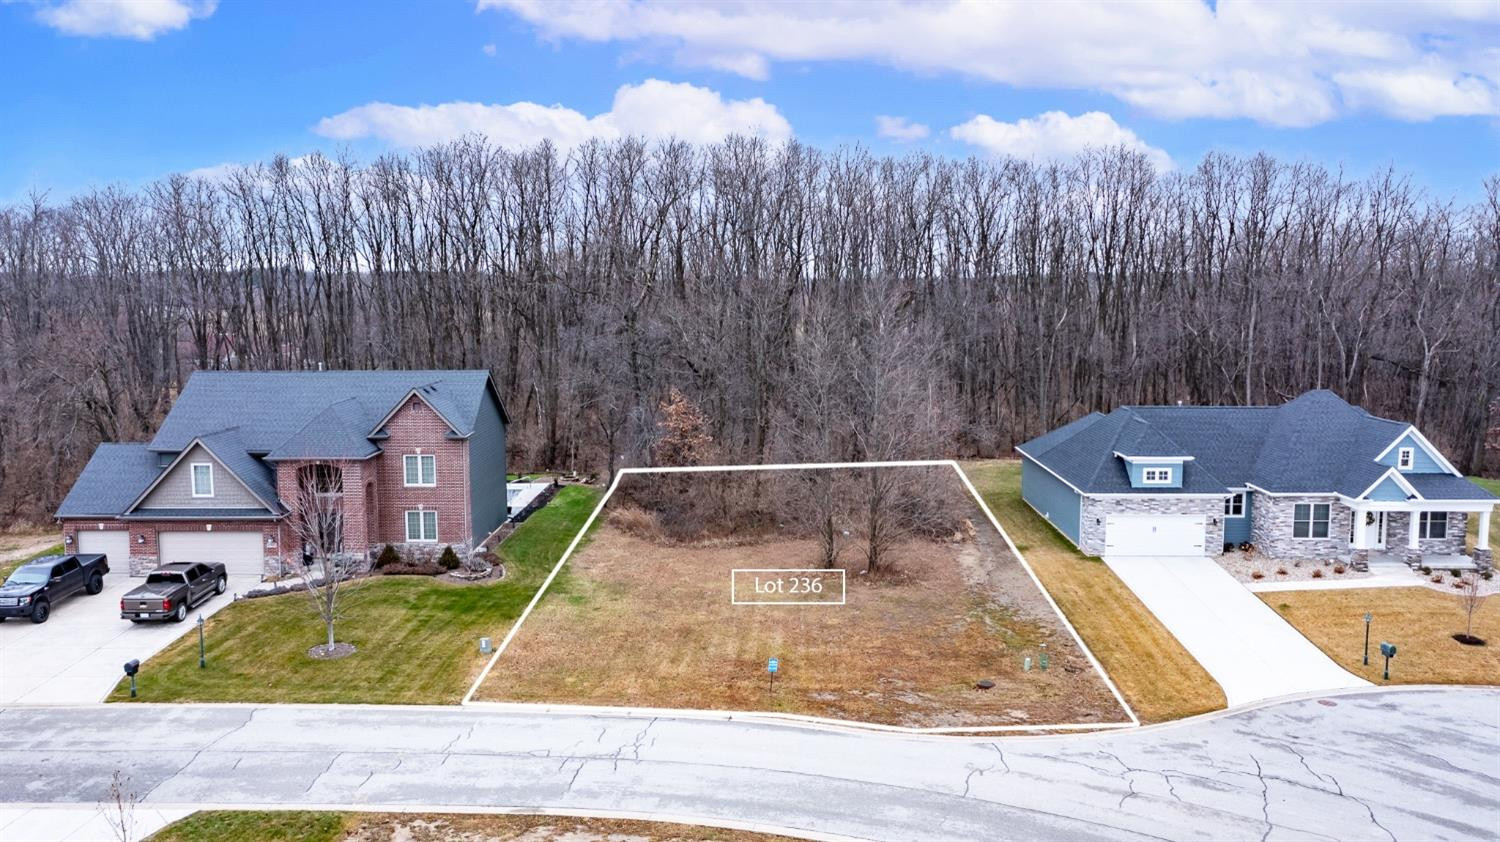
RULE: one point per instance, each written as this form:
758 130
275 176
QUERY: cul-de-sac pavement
1380 764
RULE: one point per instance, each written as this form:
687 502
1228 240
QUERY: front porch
1419 533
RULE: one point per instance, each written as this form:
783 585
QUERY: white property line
712 714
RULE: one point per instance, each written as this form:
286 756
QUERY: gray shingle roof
1316 443
338 432
115 475
269 407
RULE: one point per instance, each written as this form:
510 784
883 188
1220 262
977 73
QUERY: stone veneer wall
1398 527
1271 529
1097 509
144 546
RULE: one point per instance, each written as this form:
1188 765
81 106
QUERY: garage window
1234 506
203 479
1310 520
420 470
1433 525
421 526
1157 476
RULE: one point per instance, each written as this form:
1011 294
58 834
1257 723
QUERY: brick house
1312 479
413 458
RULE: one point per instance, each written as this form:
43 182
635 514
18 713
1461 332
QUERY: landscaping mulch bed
324 652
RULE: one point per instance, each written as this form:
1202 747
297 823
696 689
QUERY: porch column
1413 533
1361 538
1483 541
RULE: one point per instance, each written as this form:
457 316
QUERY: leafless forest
814 305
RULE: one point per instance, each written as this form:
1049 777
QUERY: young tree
684 440
1472 597
317 518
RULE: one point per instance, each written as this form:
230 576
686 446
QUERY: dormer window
203 479
1156 476
1406 457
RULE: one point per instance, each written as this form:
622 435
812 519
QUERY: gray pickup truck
170 590
34 587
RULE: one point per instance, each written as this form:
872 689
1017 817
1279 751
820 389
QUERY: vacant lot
306 826
417 638
648 621
1420 621
1158 677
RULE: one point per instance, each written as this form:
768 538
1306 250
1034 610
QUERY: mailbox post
131 668
1389 651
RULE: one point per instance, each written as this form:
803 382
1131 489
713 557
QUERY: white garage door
113 543
240 552
1153 535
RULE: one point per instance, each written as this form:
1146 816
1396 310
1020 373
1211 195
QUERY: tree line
814 305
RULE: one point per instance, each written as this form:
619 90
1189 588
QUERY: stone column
1413 554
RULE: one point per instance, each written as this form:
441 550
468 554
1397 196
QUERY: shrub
1317 573
1257 575
1437 577
1487 575
388 556
1455 573
1338 568
1228 546
1281 571
1426 571
449 559
1457 583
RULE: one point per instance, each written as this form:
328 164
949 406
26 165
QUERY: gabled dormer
1412 453
1155 471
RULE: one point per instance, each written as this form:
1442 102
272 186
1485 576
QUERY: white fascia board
1258 490
1391 472
1155 458
1437 455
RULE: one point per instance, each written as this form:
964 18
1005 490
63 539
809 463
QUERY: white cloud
899 129
651 109
1281 63
1054 136
139 19
489 49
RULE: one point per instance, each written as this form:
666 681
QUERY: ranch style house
1312 479
413 458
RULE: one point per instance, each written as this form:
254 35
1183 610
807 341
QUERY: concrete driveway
75 657
1244 645
1375 765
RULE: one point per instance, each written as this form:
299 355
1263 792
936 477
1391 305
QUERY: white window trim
1424 525
1312 519
421 524
1406 458
1229 506
419 457
1163 476
193 478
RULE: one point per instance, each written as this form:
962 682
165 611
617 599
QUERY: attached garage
1128 535
113 543
240 552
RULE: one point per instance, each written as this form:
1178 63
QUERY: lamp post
1368 618
202 660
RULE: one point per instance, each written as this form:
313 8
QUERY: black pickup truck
170 590
37 585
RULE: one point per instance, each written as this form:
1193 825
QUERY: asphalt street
1389 764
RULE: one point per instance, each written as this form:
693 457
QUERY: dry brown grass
1420 621
644 623
1158 677
506 828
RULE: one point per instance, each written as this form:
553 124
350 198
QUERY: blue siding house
1314 478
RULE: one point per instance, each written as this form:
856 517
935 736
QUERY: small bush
1338 568
1281 571
1426 571
1317 574
388 556
412 568
1457 583
1228 546
1438 578
1257 575
449 559
1487 575
1455 573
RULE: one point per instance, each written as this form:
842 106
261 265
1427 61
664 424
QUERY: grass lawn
1492 486
1158 677
648 621
1420 621
305 826
417 638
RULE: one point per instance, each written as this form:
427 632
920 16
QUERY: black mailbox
132 667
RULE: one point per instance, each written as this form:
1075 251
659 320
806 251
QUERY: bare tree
1472 597
119 807
317 517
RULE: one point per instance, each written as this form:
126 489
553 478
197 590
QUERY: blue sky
128 91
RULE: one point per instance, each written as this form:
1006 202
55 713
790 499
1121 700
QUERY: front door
1374 527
